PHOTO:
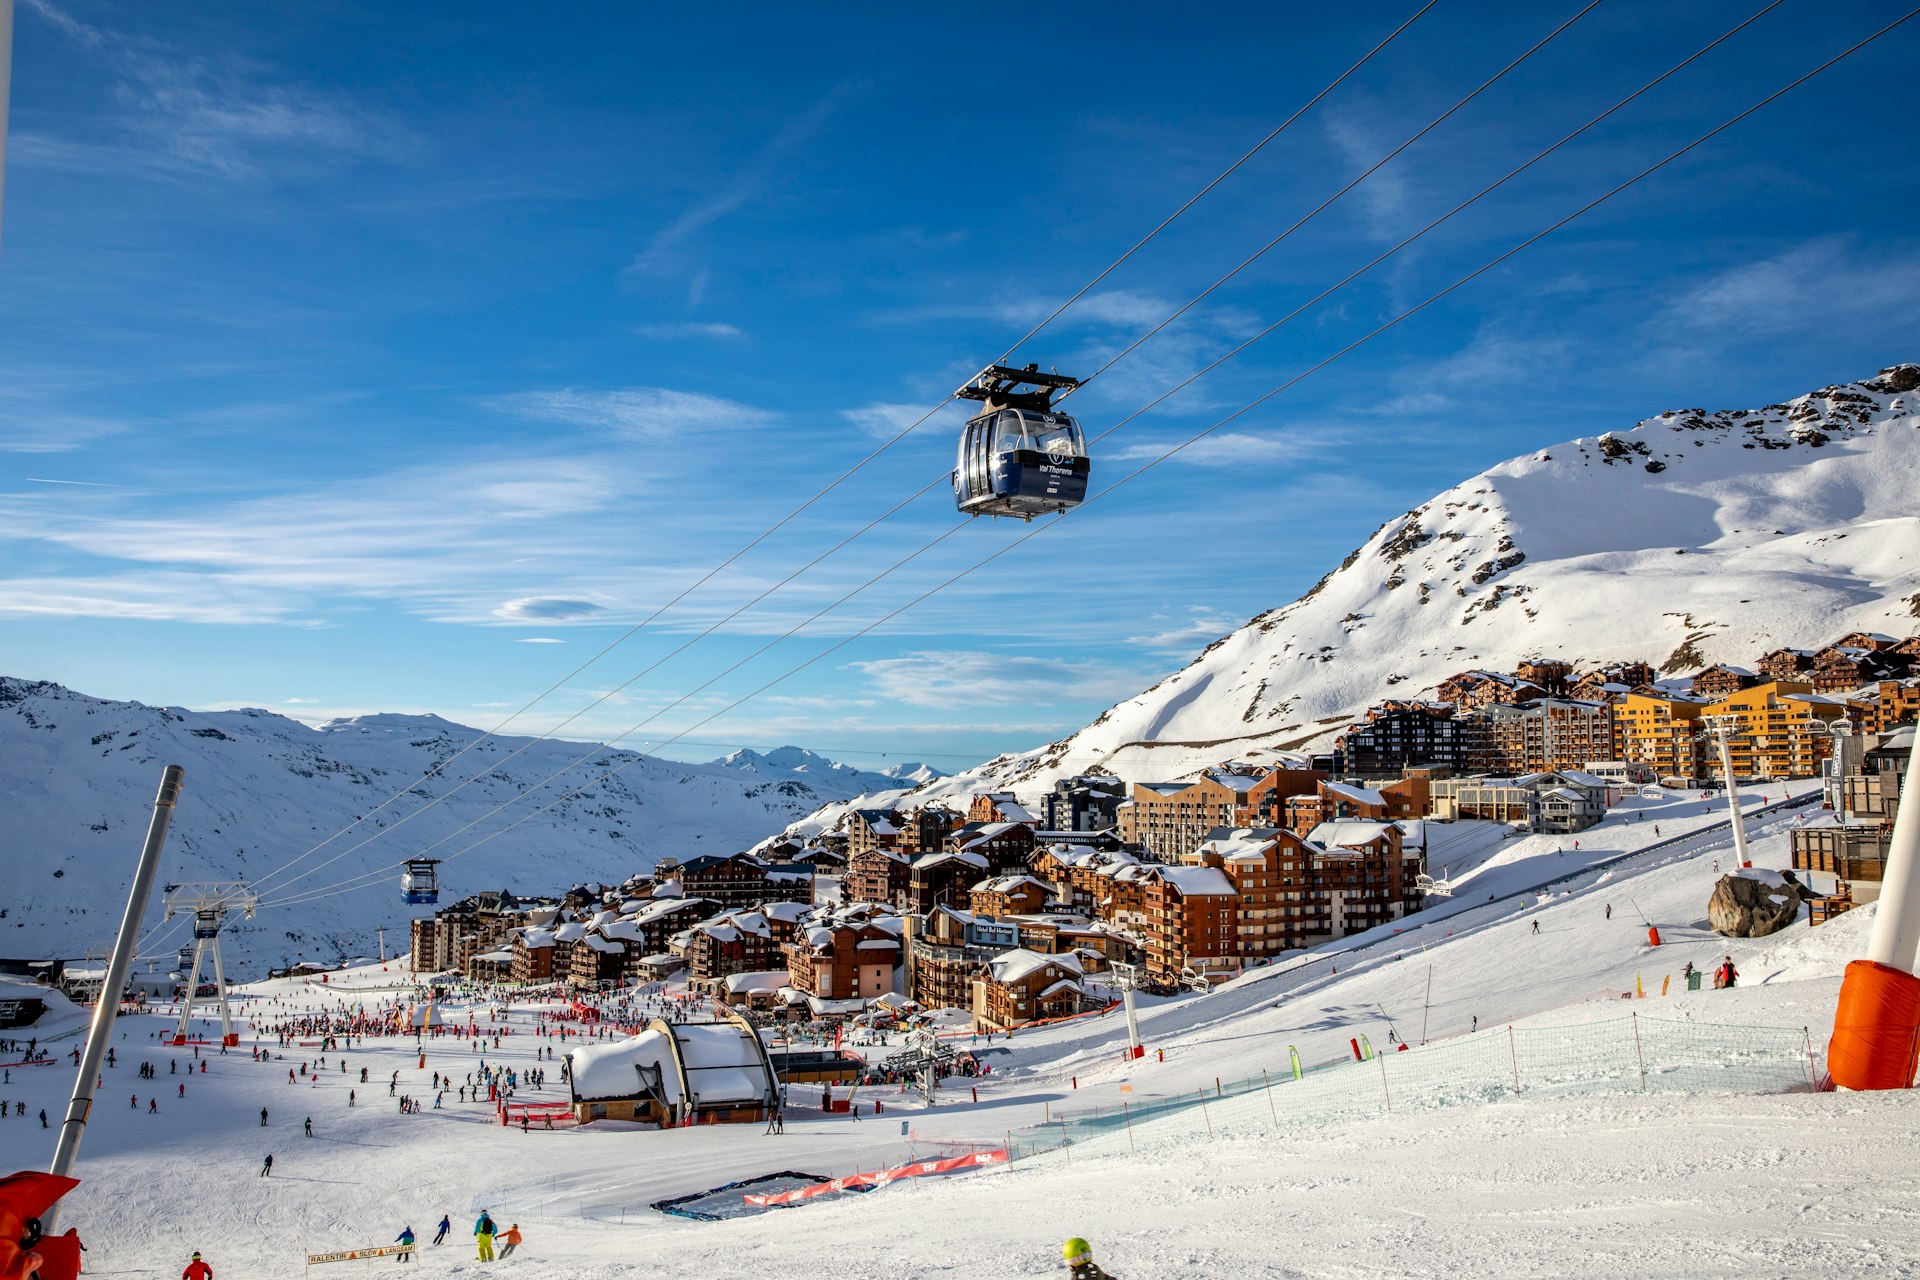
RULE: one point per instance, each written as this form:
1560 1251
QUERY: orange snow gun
24 1252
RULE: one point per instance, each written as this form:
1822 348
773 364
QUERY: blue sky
366 357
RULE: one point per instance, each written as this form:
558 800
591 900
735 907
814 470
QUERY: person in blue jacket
483 1233
406 1238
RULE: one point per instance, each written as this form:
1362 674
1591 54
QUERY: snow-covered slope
1692 538
77 777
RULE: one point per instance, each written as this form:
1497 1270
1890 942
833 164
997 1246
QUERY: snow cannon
24 1253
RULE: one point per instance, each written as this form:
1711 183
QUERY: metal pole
220 990
1427 1007
104 1012
1270 1106
1385 1092
6 81
1733 795
193 981
1639 1057
1513 1056
1128 1114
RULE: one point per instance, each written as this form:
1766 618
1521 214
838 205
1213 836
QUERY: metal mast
1720 729
209 904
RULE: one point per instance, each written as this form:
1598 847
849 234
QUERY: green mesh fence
1621 1055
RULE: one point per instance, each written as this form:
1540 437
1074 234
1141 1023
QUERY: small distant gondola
420 883
1019 457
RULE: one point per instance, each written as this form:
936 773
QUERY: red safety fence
538 1115
880 1177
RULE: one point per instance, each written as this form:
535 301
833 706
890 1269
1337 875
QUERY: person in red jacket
197 1270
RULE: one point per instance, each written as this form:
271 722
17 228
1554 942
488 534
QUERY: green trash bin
1693 980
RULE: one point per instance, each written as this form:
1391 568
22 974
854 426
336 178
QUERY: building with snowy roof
1018 986
676 1073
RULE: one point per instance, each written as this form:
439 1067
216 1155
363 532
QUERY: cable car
420 883
1019 457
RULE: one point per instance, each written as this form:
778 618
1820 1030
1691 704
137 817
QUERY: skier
263 1117
266 1166
1609 911
1536 926
406 1238
446 1225
483 1230
197 1269
511 1240
309 1126
1079 1257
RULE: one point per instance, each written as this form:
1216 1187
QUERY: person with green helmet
1079 1258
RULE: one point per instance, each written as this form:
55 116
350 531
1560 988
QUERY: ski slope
1630 1185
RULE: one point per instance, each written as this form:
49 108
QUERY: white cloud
949 679
31 432
884 420
636 412
1241 447
547 609
197 115
694 329
1202 626
1383 196
1813 287
539 640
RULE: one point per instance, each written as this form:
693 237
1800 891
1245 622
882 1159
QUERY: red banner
880 1177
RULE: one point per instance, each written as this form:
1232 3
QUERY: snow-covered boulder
1753 904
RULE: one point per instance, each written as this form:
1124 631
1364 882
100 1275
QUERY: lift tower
209 904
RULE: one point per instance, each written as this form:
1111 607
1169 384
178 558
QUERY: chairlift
1019 457
420 883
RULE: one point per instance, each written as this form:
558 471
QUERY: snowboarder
266 1166
511 1240
1079 1258
446 1225
1536 926
263 1117
309 1126
483 1230
1609 911
197 1269
406 1238
1728 975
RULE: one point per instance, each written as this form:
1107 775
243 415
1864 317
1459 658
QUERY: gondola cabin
1020 457
420 883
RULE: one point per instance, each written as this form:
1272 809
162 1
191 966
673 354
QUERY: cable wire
1177 449
845 475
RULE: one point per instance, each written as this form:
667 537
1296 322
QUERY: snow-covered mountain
1692 538
790 762
78 774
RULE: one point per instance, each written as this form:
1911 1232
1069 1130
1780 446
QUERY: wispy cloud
670 251
30 432
90 484
1361 142
693 329
1201 625
635 412
185 114
539 640
1828 283
949 679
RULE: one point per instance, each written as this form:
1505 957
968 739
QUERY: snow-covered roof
1209 882
1359 795
1349 834
765 983
1018 964
609 1070
788 912
1236 844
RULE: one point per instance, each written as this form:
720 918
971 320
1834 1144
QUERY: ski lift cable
1324 205
797 573
596 748
716 570
1290 316
1444 218
1391 323
1199 195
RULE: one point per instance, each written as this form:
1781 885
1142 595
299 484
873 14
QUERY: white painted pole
220 986
1733 796
1133 1021
1896 925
